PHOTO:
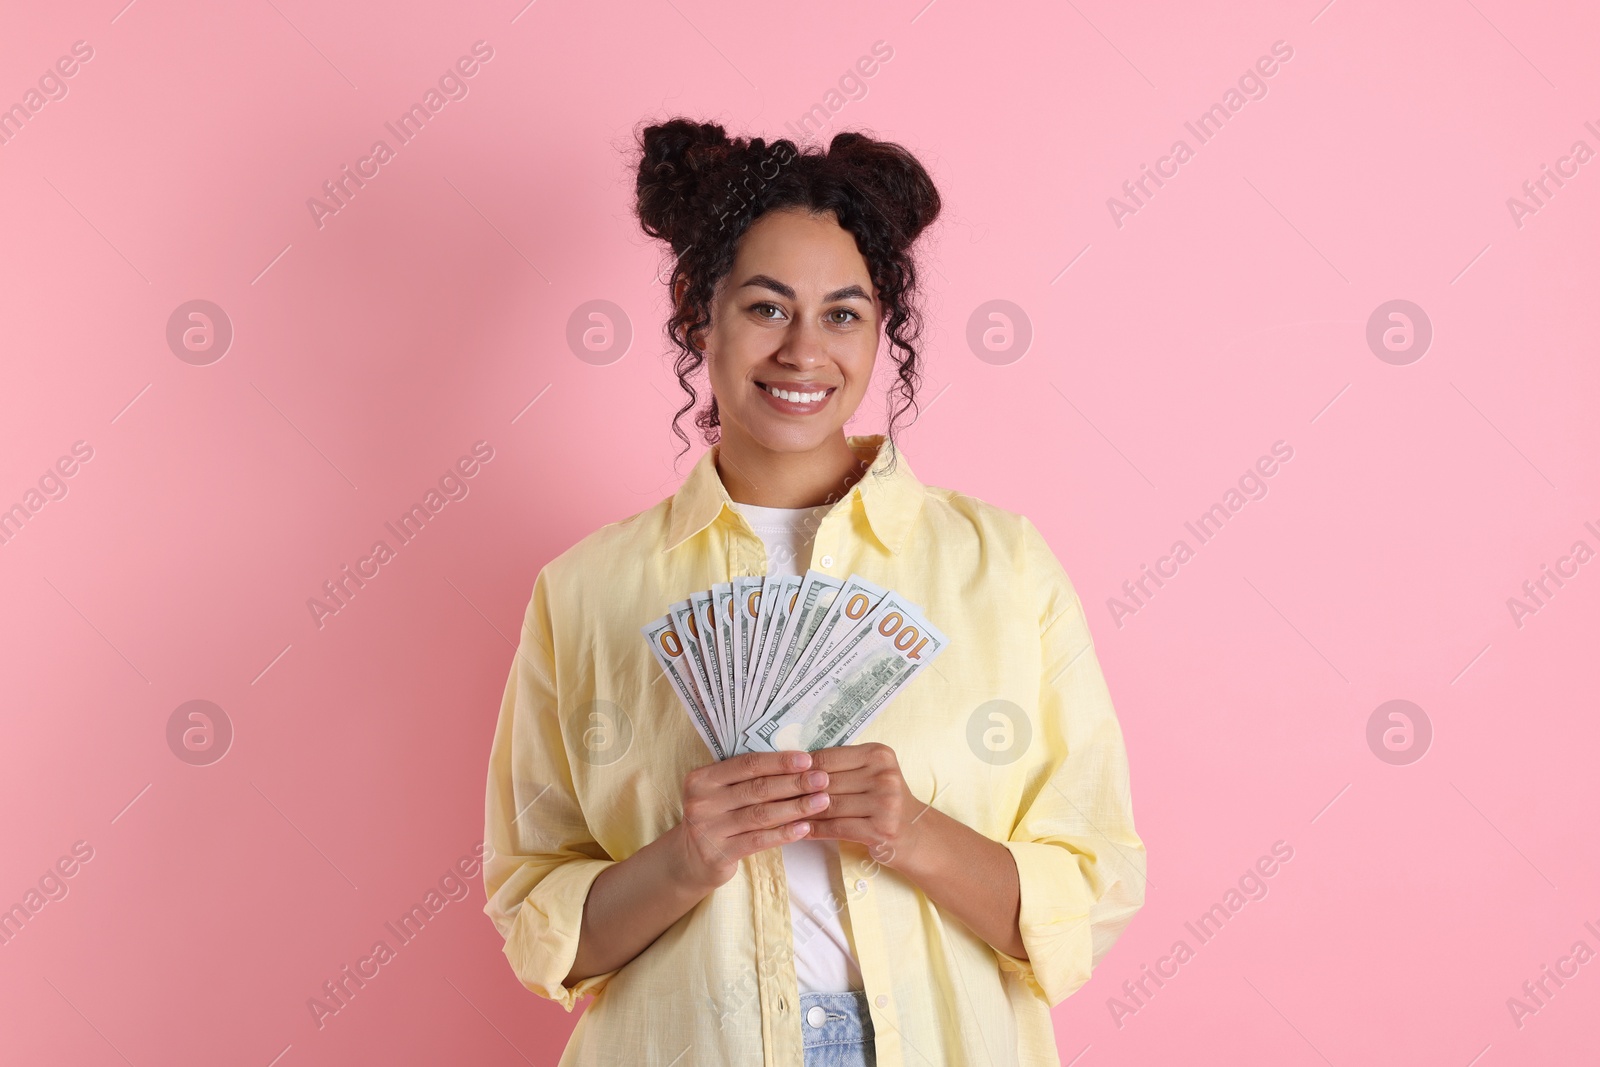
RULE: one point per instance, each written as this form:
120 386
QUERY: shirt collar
891 499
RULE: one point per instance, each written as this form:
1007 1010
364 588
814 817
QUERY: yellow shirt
1011 732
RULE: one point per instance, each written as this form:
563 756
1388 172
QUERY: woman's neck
755 475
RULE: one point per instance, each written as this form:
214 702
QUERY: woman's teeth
797 398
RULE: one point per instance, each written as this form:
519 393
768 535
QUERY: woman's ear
697 339
679 287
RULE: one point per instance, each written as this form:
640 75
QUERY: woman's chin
776 436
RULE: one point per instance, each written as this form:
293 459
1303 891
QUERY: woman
922 894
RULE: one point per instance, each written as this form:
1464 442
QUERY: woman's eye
761 311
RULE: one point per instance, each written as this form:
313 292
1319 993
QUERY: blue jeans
837 1030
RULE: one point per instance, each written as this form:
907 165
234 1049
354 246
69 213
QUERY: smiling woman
917 889
849 215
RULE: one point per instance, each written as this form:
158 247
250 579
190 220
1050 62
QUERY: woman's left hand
868 802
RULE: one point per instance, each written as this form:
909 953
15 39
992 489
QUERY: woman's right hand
739 806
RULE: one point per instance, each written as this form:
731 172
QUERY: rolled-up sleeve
540 858
1080 862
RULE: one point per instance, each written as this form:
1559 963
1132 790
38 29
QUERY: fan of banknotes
764 664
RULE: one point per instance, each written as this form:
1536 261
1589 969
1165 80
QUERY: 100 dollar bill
688 630
778 602
876 658
722 638
794 619
747 592
672 653
817 593
854 600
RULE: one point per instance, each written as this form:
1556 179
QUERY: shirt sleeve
540 858
1080 862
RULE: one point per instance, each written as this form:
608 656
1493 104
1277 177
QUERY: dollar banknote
875 659
705 632
776 608
793 661
672 653
817 593
722 634
848 606
747 590
688 629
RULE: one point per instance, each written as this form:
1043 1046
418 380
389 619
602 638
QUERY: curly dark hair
699 191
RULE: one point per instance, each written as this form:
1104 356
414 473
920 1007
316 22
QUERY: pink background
1167 355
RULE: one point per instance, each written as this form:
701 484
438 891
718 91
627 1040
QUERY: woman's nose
803 347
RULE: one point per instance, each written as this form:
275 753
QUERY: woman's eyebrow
849 292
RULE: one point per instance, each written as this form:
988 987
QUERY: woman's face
793 334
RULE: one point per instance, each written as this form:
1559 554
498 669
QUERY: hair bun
892 178
677 157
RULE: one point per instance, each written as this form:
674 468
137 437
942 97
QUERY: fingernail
802 760
816 780
802 828
817 801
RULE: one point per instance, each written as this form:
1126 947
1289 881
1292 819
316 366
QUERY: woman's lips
797 407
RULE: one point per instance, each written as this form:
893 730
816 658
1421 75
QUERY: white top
824 956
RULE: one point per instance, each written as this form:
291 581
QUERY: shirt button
827 561
861 885
816 1017
882 1001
